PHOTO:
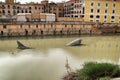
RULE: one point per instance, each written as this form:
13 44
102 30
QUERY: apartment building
74 8
10 8
104 11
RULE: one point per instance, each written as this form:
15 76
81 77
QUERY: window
92 4
98 4
18 11
113 11
60 14
59 9
114 5
105 17
29 11
22 11
25 11
3 7
36 25
80 11
91 10
91 16
98 10
106 11
8 6
8 12
18 7
76 16
4 26
112 17
97 16
106 4
35 7
29 7
3 11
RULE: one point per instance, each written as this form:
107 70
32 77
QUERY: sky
24 1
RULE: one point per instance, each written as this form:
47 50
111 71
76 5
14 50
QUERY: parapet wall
45 29
56 28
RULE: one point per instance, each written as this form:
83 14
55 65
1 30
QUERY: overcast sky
24 1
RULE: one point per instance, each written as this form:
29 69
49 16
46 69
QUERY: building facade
104 11
74 8
10 8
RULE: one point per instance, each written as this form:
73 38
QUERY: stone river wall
51 29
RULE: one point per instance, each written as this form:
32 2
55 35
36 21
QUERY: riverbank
42 29
94 71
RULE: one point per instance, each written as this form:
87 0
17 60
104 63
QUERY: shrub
105 78
94 71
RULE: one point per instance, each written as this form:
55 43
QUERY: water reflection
35 65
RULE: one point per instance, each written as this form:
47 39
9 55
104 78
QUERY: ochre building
104 11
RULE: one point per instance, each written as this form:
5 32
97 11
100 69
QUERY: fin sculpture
21 46
76 42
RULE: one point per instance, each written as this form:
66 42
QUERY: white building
50 17
23 17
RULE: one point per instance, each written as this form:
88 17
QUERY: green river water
46 61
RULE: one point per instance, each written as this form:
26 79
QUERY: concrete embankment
53 29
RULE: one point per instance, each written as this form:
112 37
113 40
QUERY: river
47 59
